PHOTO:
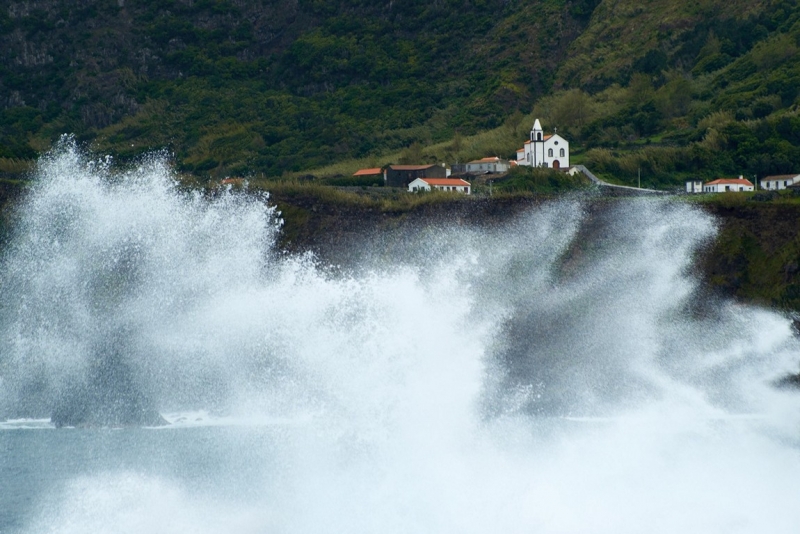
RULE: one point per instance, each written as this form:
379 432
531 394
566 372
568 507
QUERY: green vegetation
270 87
671 89
756 256
310 194
527 179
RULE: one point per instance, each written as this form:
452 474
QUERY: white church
544 150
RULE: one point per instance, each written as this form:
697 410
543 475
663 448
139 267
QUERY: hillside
233 87
675 89
680 89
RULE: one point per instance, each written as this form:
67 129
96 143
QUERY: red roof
410 167
444 181
367 172
731 181
494 159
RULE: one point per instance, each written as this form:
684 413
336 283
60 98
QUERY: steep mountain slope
627 36
681 89
671 88
233 86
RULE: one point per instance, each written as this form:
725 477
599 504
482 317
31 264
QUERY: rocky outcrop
110 394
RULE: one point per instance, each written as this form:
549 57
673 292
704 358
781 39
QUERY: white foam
477 384
14 424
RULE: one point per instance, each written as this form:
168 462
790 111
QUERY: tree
513 122
572 109
412 155
640 89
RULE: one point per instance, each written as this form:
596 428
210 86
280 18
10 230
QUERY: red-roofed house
440 184
723 185
377 171
494 164
544 150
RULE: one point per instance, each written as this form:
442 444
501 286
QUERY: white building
544 150
723 185
782 181
694 186
494 164
440 184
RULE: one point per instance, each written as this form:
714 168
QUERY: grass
15 166
502 141
312 193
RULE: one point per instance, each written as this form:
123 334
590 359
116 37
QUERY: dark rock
110 395
789 382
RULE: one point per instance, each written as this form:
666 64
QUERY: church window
562 153
550 153
539 136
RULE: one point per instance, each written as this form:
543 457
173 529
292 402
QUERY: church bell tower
537 146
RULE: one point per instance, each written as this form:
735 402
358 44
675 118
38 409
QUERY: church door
556 164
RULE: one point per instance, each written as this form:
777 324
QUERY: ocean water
562 373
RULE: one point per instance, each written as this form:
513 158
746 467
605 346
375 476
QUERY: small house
402 175
694 186
723 185
455 185
782 181
488 165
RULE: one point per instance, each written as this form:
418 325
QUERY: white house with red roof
544 150
493 164
723 185
455 185
781 181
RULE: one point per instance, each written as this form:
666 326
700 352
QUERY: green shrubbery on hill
271 86
671 89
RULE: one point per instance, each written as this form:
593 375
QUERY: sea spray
562 373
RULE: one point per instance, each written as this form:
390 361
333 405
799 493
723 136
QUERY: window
562 153
529 156
549 152
538 136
